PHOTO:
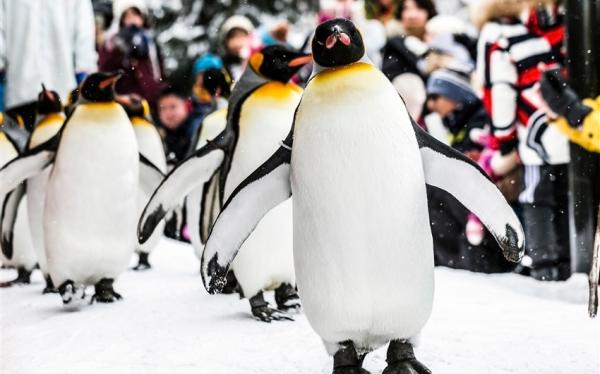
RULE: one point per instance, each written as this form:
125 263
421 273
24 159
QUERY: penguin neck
317 69
140 121
49 118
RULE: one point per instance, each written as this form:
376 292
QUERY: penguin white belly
36 191
265 260
91 197
149 145
7 153
36 195
23 255
362 244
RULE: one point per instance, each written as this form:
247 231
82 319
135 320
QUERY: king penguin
150 145
357 166
15 244
259 114
90 204
49 122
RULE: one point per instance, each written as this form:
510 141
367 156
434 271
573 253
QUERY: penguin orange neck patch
277 91
50 119
342 71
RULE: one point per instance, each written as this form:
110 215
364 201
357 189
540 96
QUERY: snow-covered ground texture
167 323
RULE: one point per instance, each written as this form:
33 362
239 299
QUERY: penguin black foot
72 295
23 277
263 312
143 263
347 361
50 288
401 359
287 297
232 286
104 292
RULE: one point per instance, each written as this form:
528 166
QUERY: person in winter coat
403 52
178 125
462 112
50 42
236 37
511 48
133 49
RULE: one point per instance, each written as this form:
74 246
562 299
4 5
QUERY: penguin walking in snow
90 203
259 114
357 166
15 238
150 145
49 122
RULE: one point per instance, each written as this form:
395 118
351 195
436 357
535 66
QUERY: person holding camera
133 49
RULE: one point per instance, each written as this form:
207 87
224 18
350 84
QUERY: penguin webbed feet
50 288
23 277
347 361
143 262
71 294
263 312
401 359
287 298
104 292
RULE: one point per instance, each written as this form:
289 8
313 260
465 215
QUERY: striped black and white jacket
509 52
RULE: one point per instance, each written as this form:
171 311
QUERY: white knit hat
236 21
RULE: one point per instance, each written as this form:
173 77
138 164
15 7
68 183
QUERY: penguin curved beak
300 61
110 80
47 94
332 39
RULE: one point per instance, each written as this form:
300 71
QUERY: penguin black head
337 42
99 87
48 102
134 105
278 63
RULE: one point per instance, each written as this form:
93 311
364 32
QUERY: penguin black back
278 63
337 42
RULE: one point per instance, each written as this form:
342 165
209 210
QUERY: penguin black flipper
453 172
8 219
30 163
150 175
261 191
16 135
195 170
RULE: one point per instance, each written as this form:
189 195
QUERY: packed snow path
167 323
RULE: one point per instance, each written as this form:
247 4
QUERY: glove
561 98
588 135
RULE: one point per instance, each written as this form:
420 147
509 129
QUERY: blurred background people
43 42
450 95
177 123
511 47
131 46
211 87
235 34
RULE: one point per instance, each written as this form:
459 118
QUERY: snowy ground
168 324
